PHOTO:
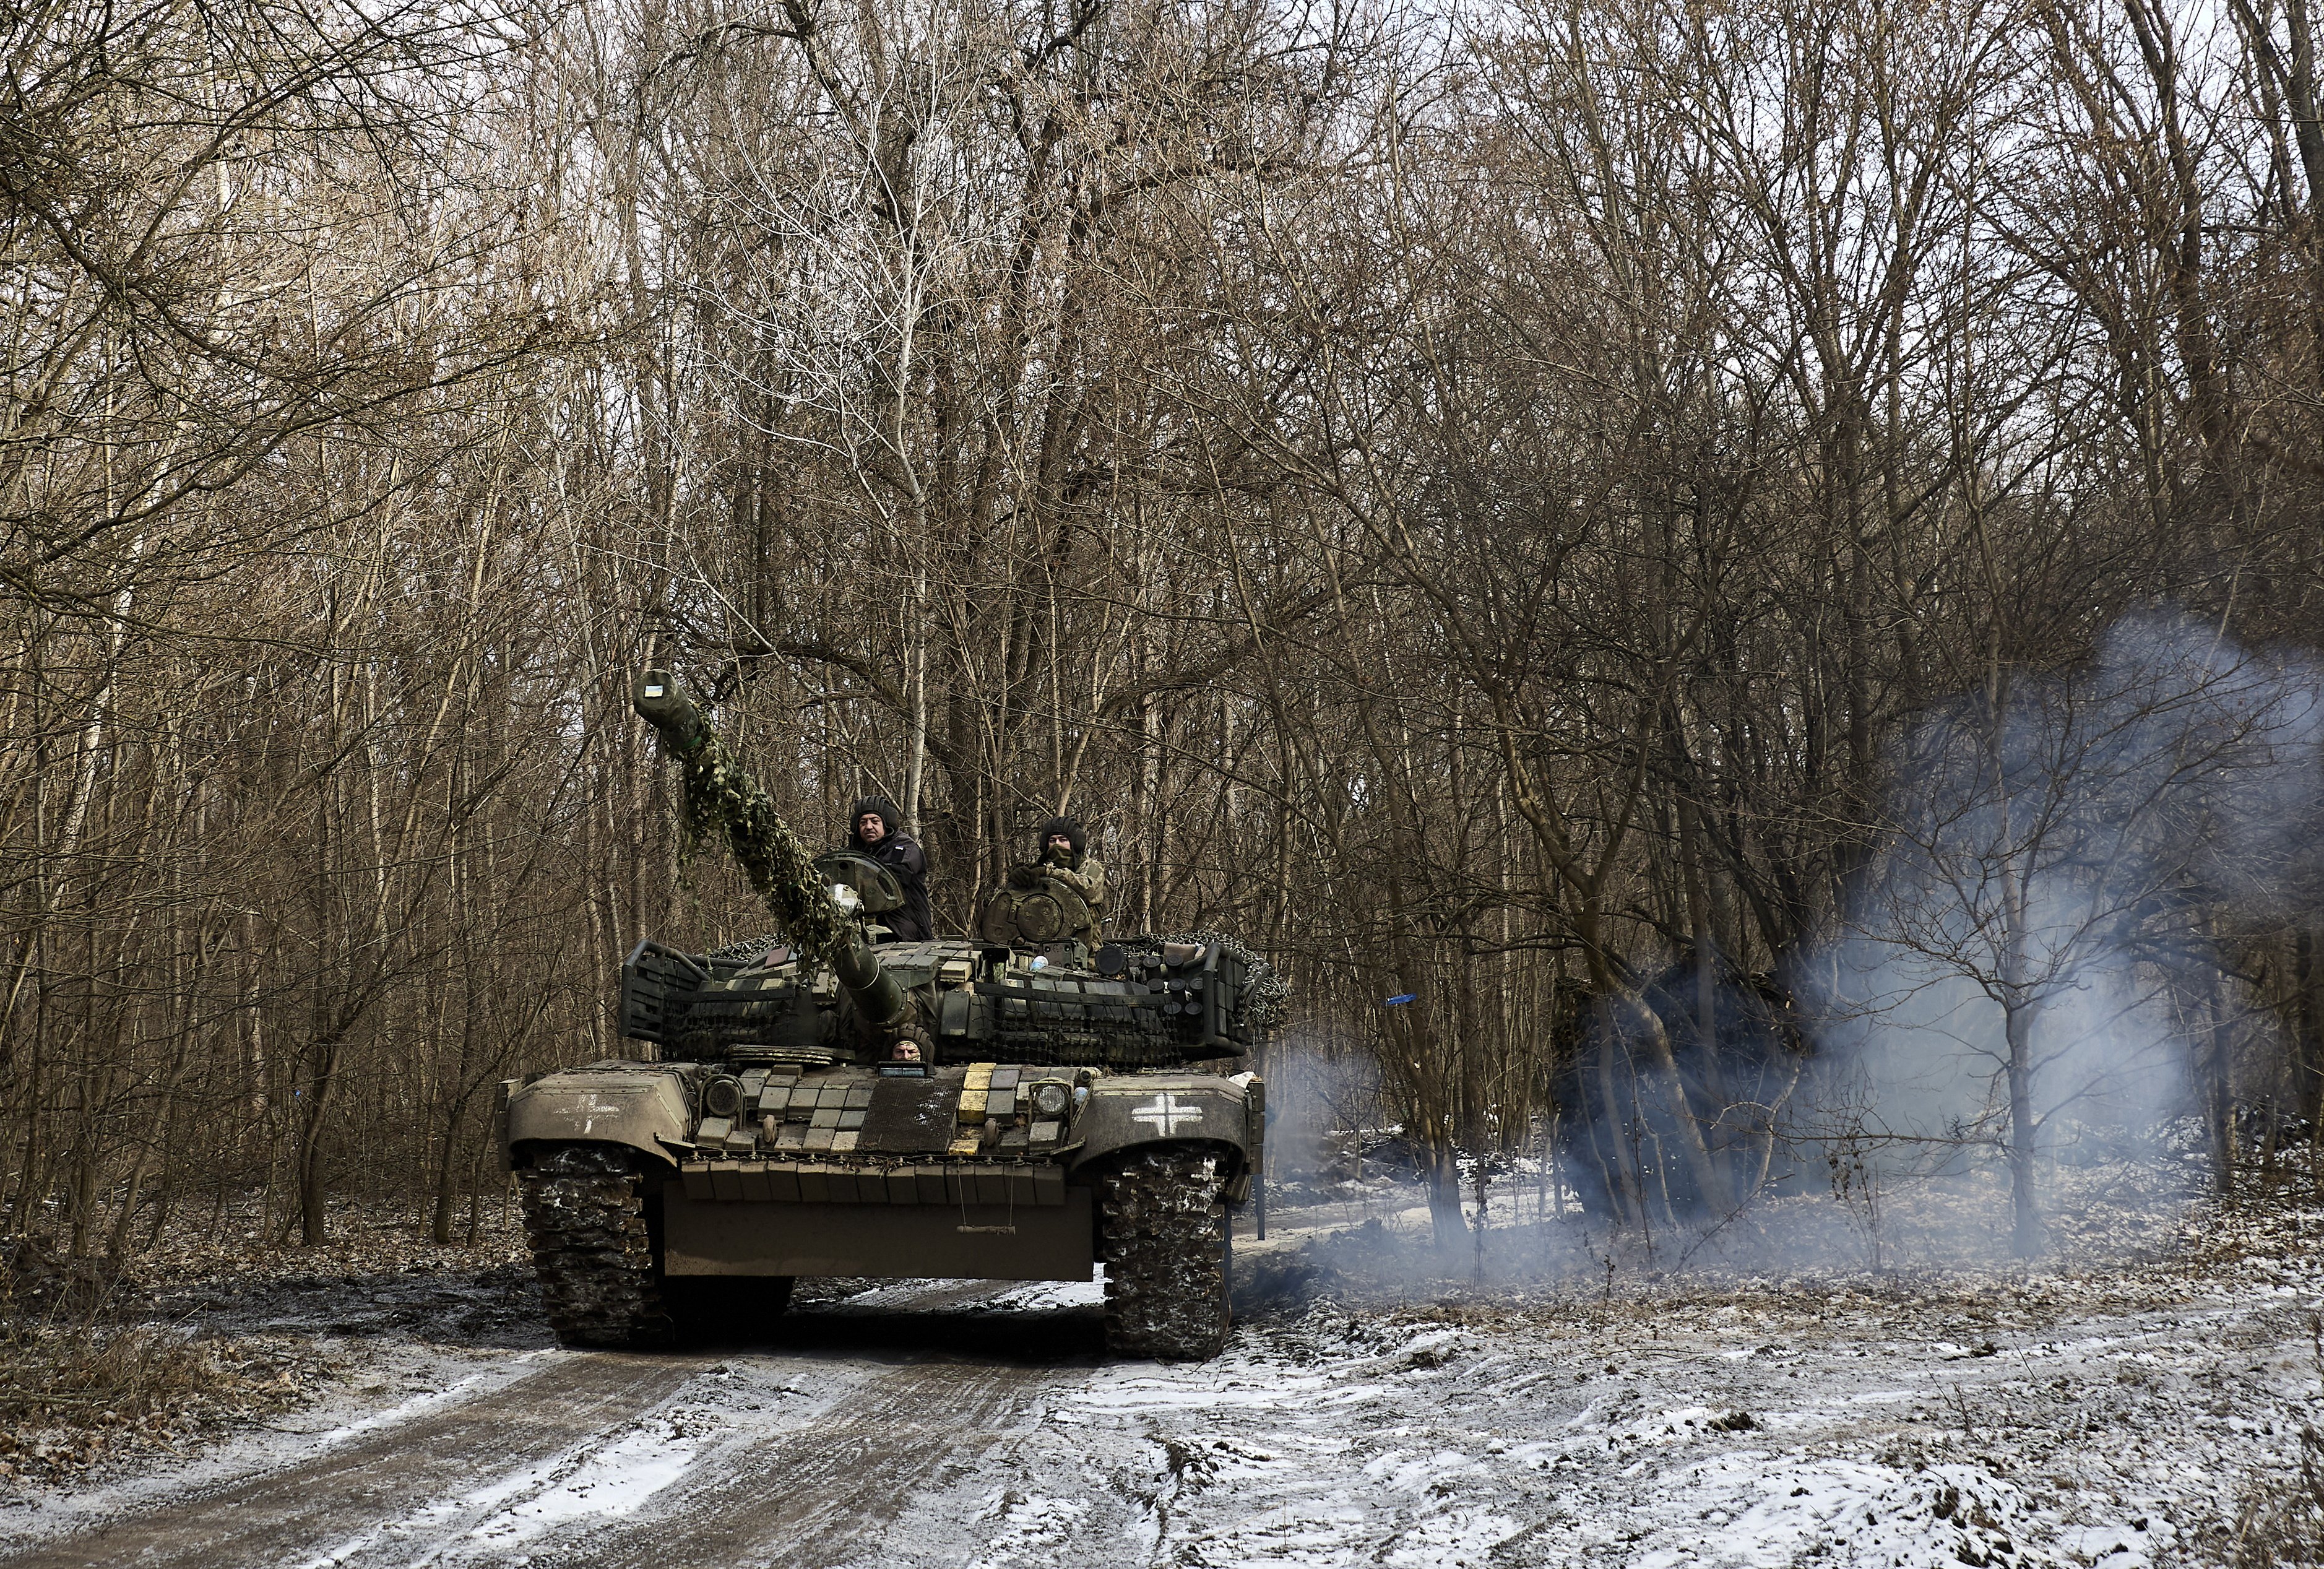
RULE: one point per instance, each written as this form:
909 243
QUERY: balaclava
1071 829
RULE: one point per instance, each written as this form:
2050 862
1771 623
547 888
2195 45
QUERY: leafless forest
1489 503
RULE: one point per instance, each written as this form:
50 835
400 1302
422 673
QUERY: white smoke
2078 854
2052 879
1322 1098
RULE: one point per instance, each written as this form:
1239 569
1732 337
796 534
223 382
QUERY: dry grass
73 1395
2283 1521
2288 1528
90 1371
83 1372
211 1328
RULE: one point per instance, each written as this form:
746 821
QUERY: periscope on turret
827 1101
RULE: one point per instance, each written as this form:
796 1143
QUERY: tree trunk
2218 1091
2025 1232
2307 1033
1710 1179
313 1188
1445 1225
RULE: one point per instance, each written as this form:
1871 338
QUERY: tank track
585 1221
1161 1220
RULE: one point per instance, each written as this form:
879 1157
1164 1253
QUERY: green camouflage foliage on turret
720 797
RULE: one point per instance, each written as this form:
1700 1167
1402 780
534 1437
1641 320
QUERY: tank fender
1138 1109
618 1106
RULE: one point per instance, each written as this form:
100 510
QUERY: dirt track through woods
289 1515
834 1486
556 1467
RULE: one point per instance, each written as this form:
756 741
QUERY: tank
1066 1108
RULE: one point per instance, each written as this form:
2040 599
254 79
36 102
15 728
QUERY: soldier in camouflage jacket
1065 859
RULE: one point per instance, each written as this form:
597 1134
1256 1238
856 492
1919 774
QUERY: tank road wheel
584 1220
1166 1280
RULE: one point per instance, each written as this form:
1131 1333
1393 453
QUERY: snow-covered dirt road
2114 1418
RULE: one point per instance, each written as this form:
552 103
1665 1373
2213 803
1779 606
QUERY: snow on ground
1689 1432
374 1389
1759 1399
2121 1404
603 1480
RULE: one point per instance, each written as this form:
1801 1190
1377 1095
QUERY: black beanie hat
1066 825
879 806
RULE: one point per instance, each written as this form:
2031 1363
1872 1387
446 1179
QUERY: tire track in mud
824 1492
905 1387
288 1514
930 1379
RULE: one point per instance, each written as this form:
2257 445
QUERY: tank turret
1024 988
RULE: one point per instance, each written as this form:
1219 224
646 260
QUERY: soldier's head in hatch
1062 841
873 824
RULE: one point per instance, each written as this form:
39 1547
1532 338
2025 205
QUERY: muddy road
797 1451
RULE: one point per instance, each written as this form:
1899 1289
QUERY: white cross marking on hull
1164 1112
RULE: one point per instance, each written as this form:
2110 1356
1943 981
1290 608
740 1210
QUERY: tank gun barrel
877 996
663 703
720 795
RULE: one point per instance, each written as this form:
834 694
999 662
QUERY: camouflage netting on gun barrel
720 795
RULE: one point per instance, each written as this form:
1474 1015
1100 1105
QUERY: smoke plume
2031 958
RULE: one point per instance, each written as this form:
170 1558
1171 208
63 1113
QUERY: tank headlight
722 1097
846 900
1050 1099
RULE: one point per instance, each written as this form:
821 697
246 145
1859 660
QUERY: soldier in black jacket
877 829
